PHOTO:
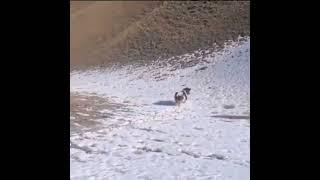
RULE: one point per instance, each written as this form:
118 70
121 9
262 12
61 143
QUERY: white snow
83 114
208 137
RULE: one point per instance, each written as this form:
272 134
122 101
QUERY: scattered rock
202 68
158 140
198 128
190 154
229 106
146 149
216 156
137 151
122 145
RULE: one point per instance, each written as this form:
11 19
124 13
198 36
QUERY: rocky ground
108 32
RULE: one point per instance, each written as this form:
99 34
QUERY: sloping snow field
208 137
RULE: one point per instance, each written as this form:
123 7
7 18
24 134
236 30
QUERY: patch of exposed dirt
125 32
85 111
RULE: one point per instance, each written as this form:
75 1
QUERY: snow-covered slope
208 137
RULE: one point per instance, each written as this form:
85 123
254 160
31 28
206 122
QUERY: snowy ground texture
208 137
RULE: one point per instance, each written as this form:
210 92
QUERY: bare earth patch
86 111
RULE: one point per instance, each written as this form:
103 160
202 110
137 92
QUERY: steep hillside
105 32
